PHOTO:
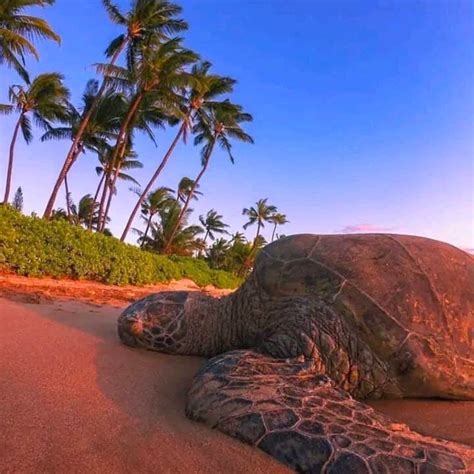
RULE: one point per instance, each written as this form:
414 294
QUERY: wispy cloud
468 250
364 228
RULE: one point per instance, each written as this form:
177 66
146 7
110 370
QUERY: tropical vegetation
149 82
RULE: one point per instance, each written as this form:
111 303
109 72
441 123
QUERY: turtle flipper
307 423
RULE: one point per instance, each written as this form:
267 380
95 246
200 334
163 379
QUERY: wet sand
73 399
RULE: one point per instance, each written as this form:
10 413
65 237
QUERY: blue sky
362 113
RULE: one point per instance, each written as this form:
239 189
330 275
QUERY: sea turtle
320 322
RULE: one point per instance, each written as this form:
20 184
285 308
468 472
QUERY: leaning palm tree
277 219
213 224
146 19
148 116
159 69
45 100
17 32
156 201
102 126
260 214
204 89
219 125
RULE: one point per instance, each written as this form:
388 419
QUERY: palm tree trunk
250 255
96 195
259 225
68 207
145 235
112 191
119 149
70 157
103 198
190 196
148 187
8 183
204 243
273 233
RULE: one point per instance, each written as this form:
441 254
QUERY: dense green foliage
34 247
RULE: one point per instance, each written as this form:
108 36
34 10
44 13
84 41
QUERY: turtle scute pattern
306 422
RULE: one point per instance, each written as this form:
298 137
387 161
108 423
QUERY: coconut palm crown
18 32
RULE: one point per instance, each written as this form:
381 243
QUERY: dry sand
72 399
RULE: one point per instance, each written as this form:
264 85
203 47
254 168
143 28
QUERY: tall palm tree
149 115
156 201
205 88
219 125
159 69
259 214
146 19
278 219
17 32
45 100
212 224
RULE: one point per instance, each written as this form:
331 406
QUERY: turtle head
155 322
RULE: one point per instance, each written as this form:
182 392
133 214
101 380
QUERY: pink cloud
364 228
468 250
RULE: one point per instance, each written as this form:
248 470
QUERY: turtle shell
391 287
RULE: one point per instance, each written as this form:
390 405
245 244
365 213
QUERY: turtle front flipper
306 422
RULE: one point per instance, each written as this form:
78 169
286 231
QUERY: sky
363 114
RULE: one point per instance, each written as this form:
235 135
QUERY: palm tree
237 238
205 88
156 201
185 240
219 125
102 126
159 70
148 116
277 219
17 31
146 19
212 224
113 170
185 186
261 213
45 99
217 254
80 214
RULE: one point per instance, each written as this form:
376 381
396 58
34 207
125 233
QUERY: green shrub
31 246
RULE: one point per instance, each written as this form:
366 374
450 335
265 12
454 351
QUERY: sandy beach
73 399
